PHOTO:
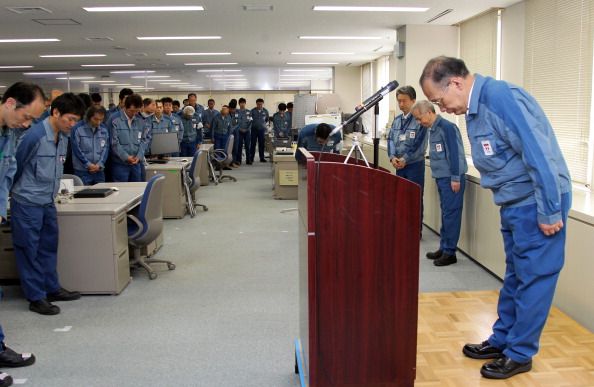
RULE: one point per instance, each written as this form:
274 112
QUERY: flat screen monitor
164 144
282 142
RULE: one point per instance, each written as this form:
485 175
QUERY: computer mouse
115 188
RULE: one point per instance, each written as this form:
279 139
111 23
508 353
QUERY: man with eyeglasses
515 150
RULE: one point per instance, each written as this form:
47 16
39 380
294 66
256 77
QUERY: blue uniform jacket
407 139
515 149
177 125
235 121
40 163
199 112
222 125
8 167
446 152
307 140
282 124
245 119
164 125
209 115
42 117
89 146
126 141
192 130
259 118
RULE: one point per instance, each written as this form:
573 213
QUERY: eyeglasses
438 102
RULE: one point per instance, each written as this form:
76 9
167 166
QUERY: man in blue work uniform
192 132
129 139
234 118
281 122
89 141
514 148
46 113
221 128
21 103
160 123
313 136
448 166
198 109
260 117
244 132
177 123
120 106
40 155
208 117
407 142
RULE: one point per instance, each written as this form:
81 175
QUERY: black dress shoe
445 260
483 350
43 307
263 160
249 163
9 358
434 255
5 379
504 367
63 295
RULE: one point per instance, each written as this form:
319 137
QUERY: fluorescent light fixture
174 83
109 65
132 72
197 53
98 81
177 37
312 63
48 73
75 78
27 40
161 80
142 87
143 9
115 84
342 37
210 64
369 9
150 76
308 70
216 71
322 53
71 56
225 76
15 67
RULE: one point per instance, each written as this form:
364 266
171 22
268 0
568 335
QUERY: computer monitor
282 142
164 144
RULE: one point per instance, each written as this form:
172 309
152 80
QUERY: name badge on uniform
102 143
402 137
487 148
438 147
330 143
177 128
139 135
194 126
412 134
62 159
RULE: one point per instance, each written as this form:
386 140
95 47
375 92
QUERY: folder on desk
93 193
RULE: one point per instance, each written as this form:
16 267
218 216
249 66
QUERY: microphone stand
376 138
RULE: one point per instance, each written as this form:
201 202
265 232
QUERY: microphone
379 95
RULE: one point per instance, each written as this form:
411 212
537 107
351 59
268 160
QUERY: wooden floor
447 321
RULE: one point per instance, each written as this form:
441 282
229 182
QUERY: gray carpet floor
227 316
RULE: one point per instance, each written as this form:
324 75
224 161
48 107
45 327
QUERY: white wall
347 84
512 44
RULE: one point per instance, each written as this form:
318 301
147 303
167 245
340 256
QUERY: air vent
268 52
100 39
137 54
120 48
28 10
57 22
147 60
258 7
440 15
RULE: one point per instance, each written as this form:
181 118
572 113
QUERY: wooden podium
358 274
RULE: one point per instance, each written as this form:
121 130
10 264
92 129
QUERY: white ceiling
260 42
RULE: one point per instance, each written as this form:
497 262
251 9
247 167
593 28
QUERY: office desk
285 176
175 202
93 253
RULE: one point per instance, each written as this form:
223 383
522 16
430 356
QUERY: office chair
77 180
145 223
193 182
221 158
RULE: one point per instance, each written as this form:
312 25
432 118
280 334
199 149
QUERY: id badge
438 147
487 148
402 137
412 134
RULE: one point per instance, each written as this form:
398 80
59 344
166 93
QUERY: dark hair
125 92
147 101
24 93
233 104
133 100
290 105
282 106
157 101
323 131
86 99
96 97
176 103
94 109
259 100
242 100
192 94
68 103
407 90
167 100
211 100
441 69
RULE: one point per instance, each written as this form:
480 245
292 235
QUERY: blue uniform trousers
1 335
35 241
243 138
125 172
220 141
451 213
89 178
415 172
235 145
533 262
259 136
187 149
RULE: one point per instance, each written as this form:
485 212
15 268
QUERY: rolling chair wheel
171 266
153 276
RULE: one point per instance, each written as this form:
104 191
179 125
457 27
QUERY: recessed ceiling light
322 53
209 64
198 53
98 81
151 76
15 67
142 9
161 80
71 56
342 37
109 65
132 71
312 63
372 9
115 84
27 40
48 73
177 37
174 83
75 78
216 71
